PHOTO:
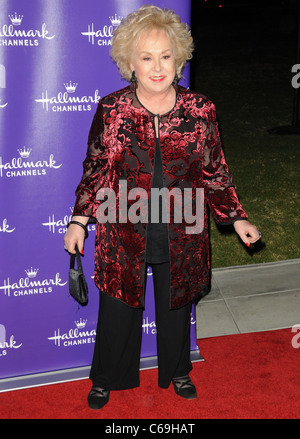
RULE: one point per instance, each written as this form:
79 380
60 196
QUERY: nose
157 65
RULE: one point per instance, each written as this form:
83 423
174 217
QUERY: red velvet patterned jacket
121 146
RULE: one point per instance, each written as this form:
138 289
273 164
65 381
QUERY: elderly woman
150 135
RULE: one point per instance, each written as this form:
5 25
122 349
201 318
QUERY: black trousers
116 359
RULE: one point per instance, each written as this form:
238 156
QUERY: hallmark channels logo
24 166
102 36
31 284
68 100
79 335
55 224
7 342
14 34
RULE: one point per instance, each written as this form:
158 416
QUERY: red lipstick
159 79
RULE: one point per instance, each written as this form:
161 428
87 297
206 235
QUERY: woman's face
154 63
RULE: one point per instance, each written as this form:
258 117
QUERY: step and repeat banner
54 68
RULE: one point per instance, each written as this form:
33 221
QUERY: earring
133 78
133 81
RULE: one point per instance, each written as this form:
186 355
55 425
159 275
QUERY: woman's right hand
75 235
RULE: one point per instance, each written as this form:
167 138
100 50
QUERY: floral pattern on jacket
121 146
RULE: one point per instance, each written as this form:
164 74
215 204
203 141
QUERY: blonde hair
146 18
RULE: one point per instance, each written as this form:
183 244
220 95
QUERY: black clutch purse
77 284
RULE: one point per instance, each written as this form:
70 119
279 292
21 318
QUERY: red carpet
245 376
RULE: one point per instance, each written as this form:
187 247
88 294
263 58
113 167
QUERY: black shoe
184 387
97 398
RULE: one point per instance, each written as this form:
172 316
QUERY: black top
157 245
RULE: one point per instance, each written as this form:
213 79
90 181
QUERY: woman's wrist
79 224
81 219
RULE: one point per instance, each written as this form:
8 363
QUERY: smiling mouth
157 79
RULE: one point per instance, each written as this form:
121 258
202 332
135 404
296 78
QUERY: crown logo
24 153
32 272
115 21
16 20
81 324
71 88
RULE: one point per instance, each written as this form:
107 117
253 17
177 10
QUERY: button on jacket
120 156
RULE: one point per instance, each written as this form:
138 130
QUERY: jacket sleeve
94 169
219 188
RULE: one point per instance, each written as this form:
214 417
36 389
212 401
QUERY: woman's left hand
247 231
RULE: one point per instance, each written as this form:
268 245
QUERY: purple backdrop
54 67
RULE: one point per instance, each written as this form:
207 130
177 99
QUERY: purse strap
78 258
